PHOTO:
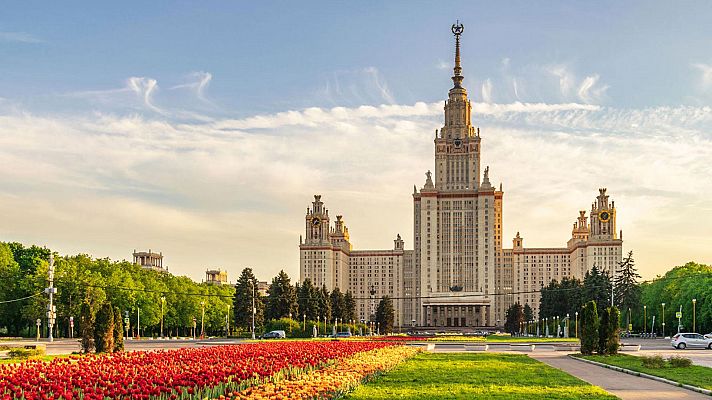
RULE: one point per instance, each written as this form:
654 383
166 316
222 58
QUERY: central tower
457 224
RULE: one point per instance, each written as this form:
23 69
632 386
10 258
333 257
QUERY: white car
685 340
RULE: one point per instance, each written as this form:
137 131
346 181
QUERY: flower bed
172 374
331 381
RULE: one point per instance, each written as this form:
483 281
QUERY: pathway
627 387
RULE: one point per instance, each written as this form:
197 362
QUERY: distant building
149 260
216 276
262 288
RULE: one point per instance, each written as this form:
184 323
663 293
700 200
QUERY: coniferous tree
514 318
118 331
589 328
245 289
604 326
613 342
385 315
104 329
528 313
87 319
281 298
338 304
626 290
323 305
350 304
597 287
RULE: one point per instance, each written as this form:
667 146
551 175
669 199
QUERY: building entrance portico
456 312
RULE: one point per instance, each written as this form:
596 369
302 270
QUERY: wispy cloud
19 37
361 86
199 82
487 91
705 73
144 87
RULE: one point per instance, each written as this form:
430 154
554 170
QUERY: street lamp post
645 319
576 324
163 301
694 325
51 290
305 322
290 322
254 311
663 304
567 325
227 320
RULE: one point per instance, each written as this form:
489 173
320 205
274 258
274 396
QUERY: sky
203 130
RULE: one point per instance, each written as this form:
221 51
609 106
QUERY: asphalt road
68 346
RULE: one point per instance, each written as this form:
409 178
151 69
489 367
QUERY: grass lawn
476 376
19 360
693 375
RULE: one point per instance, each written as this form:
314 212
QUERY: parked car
708 336
343 334
274 335
685 340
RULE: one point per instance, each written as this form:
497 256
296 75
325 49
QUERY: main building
458 275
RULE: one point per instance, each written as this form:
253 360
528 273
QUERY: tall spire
457 29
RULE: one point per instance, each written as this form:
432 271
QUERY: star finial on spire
457 29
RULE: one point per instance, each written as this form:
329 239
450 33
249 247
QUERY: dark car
274 335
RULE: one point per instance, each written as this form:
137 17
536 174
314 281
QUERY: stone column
483 321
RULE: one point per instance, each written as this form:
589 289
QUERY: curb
644 375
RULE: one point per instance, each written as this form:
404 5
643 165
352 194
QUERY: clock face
604 216
458 142
316 221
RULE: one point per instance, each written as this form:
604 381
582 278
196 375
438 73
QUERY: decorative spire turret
457 29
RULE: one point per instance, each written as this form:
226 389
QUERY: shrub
679 361
603 333
656 361
613 342
104 329
589 328
23 353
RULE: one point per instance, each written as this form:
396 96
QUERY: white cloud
589 92
200 81
566 78
144 87
19 37
232 192
705 73
361 86
443 65
487 91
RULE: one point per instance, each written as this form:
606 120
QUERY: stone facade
149 260
458 275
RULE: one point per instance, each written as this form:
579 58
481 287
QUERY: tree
528 313
514 318
589 328
385 315
281 298
245 292
118 331
323 304
626 293
350 304
613 342
87 318
104 329
310 301
604 326
338 304
597 287
559 299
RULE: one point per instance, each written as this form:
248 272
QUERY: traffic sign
126 321
678 314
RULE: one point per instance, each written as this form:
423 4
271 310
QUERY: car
708 336
685 340
274 335
343 335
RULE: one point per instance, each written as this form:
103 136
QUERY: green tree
104 329
245 292
118 331
281 298
350 304
309 301
604 326
597 287
338 304
589 328
10 275
323 305
87 319
613 342
528 313
385 315
513 318
626 293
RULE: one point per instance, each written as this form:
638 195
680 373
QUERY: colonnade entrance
456 316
